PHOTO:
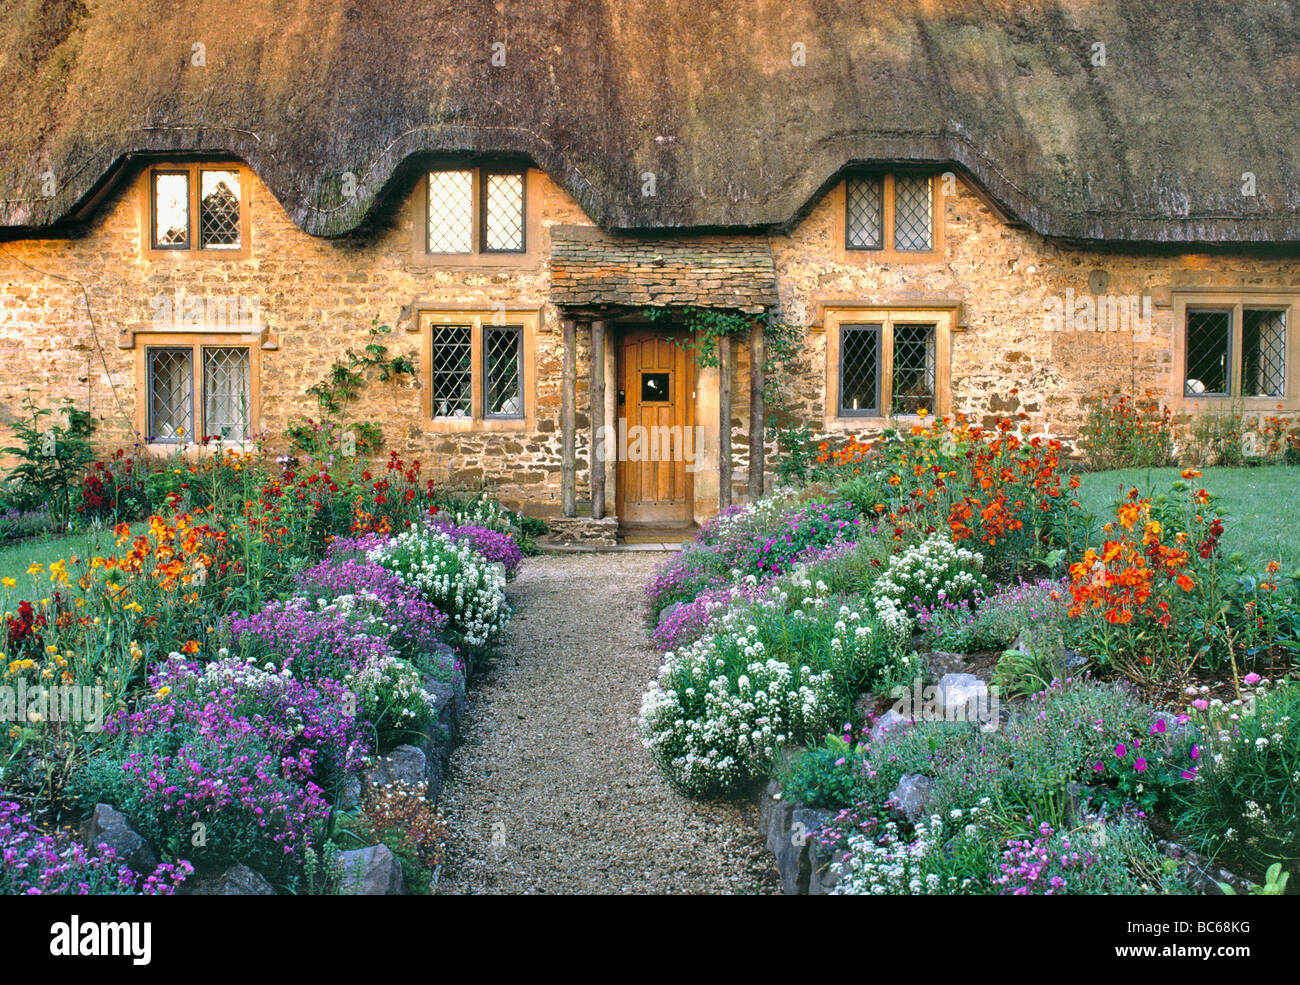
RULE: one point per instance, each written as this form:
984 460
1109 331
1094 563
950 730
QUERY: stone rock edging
789 830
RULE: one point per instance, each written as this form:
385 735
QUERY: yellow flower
162 692
35 568
8 582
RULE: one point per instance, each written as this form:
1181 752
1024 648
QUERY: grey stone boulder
108 826
350 794
910 799
773 816
669 611
405 765
963 698
238 880
449 706
372 871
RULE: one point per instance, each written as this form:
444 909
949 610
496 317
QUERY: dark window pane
859 370
171 210
913 369
912 214
451 371
1263 353
1208 339
864 221
502 394
503 213
219 210
171 395
654 388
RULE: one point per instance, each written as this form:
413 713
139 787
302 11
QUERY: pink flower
1097 767
1189 774
1200 704
1121 751
1140 765
1196 752
1159 727
1251 678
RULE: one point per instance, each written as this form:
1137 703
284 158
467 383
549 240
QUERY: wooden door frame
687 412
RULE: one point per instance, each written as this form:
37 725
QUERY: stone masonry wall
318 297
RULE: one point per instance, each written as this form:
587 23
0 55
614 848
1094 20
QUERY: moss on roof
1149 147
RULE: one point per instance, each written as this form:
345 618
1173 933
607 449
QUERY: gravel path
551 791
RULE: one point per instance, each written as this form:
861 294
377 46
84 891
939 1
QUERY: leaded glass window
451 212
502 371
859 370
1263 353
913 369
170 210
219 209
503 213
226 408
451 372
913 213
864 213
1209 344
170 394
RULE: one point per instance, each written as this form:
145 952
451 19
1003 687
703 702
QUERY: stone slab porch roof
592 269
744 112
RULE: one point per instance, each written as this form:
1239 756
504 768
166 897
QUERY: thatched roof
589 268
1150 146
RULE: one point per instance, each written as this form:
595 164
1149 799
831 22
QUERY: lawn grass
1260 504
16 558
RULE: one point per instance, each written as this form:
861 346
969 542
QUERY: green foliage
1121 433
52 456
341 386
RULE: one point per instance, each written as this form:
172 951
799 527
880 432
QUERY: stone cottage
968 206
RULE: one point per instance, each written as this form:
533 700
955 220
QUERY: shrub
453 577
992 621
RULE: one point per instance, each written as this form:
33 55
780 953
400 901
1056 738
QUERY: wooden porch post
757 412
724 422
568 427
597 456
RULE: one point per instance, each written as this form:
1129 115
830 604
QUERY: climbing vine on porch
342 385
782 340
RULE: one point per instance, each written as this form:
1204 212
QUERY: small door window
654 388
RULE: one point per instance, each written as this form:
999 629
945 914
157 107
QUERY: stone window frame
532 254
197 342
1235 301
944 315
194 170
886 252
528 320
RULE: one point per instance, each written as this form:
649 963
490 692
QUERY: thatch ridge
1149 148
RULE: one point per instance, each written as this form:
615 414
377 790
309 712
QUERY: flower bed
265 659
1131 658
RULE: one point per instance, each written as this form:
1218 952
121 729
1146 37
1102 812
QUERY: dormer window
476 211
197 208
892 214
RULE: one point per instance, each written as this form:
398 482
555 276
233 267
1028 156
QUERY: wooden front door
656 428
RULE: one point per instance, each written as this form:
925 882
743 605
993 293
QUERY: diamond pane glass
912 225
219 210
864 222
913 369
171 210
451 371
171 394
451 211
1208 341
503 213
1263 353
225 394
859 370
502 397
